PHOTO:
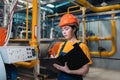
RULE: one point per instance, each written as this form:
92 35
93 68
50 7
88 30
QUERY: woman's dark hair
74 26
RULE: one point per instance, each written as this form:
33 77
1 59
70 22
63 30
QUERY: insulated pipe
34 41
113 50
97 9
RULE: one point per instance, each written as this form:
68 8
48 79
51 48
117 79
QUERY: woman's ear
74 30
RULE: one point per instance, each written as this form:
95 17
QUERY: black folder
75 58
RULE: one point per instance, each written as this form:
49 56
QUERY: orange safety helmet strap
68 19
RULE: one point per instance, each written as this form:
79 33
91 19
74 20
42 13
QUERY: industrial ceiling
62 5
59 6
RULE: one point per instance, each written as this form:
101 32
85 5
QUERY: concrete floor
94 74
102 74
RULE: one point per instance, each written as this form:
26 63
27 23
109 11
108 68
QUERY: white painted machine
13 54
2 70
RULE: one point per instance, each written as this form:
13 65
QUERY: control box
13 54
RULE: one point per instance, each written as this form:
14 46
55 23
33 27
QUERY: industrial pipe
73 2
84 23
96 38
112 52
91 7
27 19
97 9
68 10
26 64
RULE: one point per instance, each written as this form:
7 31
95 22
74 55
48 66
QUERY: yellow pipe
26 25
98 9
58 14
91 7
96 38
68 10
84 23
19 40
26 64
74 11
27 19
34 41
76 5
113 50
73 2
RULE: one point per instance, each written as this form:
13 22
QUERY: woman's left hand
62 68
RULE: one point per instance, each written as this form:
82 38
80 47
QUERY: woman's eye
66 28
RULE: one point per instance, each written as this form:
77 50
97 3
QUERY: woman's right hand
62 68
52 56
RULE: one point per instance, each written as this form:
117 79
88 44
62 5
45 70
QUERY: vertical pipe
5 15
113 35
44 25
34 41
39 22
27 19
84 24
39 36
34 19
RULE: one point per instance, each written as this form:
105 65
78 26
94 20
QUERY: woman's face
67 32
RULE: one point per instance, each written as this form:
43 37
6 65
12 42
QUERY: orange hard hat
68 19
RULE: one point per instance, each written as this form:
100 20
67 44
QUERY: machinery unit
13 54
2 70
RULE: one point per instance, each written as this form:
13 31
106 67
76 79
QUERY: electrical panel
13 54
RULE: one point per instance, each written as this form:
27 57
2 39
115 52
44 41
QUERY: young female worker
69 25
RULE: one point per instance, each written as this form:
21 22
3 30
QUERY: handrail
33 41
